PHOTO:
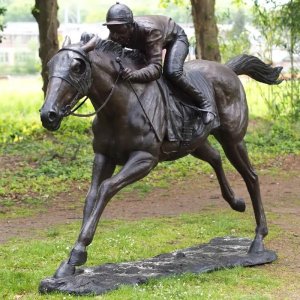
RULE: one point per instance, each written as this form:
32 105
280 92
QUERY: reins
118 60
69 111
72 112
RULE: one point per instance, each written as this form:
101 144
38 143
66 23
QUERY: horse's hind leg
238 156
207 153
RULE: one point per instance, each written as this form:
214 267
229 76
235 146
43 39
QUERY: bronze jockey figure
152 34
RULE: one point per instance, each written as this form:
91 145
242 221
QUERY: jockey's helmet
119 14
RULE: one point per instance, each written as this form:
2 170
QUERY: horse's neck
107 80
104 72
106 83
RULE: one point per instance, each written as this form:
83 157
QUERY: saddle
184 121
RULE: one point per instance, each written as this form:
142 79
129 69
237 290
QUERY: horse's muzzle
50 119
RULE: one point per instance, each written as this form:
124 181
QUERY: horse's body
124 136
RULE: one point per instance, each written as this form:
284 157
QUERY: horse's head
69 80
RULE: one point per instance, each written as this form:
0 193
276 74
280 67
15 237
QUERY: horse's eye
78 66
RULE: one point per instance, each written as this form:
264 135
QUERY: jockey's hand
126 73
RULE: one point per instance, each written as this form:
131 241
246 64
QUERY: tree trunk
206 30
45 13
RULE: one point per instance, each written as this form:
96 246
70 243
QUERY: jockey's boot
207 110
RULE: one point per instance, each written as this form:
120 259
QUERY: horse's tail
255 68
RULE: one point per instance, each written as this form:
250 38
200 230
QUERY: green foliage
236 40
279 25
2 12
285 104
20 101
26 64
179 10
275 101
49 160
265 20
18 11
182 3
288 23
276 138
96 12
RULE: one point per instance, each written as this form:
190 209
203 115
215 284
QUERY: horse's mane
112 47
109 46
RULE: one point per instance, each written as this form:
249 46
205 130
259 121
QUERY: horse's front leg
139 164
103 168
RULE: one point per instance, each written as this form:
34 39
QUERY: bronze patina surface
132 122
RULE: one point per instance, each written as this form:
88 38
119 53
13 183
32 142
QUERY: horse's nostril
52 115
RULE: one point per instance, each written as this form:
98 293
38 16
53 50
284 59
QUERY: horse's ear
90 45
66 42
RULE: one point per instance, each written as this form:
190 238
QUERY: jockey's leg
173 70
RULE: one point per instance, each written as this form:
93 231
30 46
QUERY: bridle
82 85
68 111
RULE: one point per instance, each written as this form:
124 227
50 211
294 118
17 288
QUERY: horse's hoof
64 270
256 246
239 205
78 257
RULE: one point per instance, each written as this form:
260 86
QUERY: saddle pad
183 119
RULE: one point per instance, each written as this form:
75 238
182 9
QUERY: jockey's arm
154 48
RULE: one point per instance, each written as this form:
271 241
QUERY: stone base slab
219 253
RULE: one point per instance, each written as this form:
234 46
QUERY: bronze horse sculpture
125 135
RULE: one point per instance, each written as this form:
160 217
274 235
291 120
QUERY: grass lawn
24 263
